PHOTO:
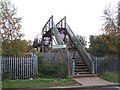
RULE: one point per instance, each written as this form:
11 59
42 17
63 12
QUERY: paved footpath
92 81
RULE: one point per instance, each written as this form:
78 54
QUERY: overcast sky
83 16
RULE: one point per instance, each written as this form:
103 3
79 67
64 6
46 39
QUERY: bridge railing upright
48 25
61 23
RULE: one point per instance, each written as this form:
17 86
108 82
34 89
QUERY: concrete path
92 81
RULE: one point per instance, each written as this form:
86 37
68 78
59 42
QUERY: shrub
52 70
113 77
7 75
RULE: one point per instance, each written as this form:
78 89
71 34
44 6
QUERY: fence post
0 68
73 66
93 71
96 64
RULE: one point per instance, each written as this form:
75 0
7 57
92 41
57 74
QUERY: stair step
79 60
84 75
81 70
80 64
81 67
78 73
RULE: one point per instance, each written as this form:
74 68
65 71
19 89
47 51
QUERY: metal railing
80 48
48 25
19 67
54 32
63 24
59 41
106 64
64 52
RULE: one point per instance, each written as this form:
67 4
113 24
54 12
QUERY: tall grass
112 77
41 82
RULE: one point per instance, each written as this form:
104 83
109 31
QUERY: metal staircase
80 62
81 69
83 63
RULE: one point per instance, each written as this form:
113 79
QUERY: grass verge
112 77
37 83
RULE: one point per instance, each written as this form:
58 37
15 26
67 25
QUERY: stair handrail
66 25
56 32
48 24
84 53
61 23
67 55
79 42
